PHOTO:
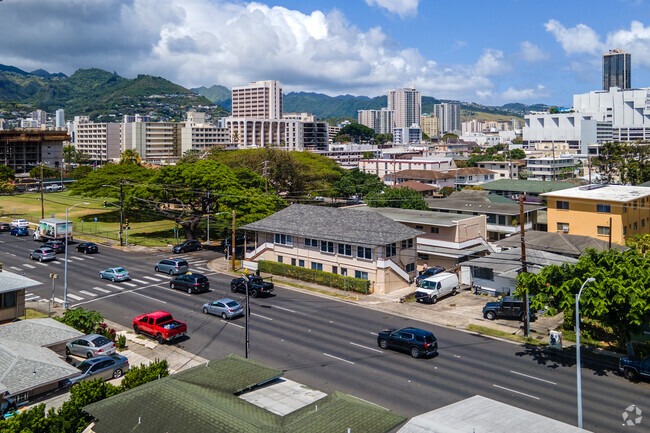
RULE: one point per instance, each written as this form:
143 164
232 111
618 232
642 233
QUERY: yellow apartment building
598 210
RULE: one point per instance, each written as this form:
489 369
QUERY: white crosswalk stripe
129 284
28 266
138 281
87 293
32 298
77 258
99 289
115 286
75 297
40 263
15 268
202 269
57 262
59 300
157 280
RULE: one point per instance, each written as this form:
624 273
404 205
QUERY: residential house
558 243
600 211
531 189
439 179
350 242
385 166
471 176
551 168
234 394
497 273
12 295
45 332
447 239
422 188
503 169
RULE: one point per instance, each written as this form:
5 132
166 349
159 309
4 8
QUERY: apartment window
483 273
21 398
424 257
410 267
7 300
361 275
391 250
624 207
603 208
311 242
635 226
335 270
316 266
491 219
283 239
564 205
624 230
345 250
364 253
327 247
502 220
419 227
435 230
407 243
293 262
562 227
643 222
634 204
280 259
301 263
344 271
603 230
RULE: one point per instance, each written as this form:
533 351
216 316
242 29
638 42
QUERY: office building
258 100
429 125
315 135
617 65
155 142
100 141
130 118
199 135
59 121
448 114
406 104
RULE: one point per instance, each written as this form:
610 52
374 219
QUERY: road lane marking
533 377
282 308
87 293
259 315
139 281
202 269
60 301
233 324
153 279
31 297
516 392
336 357
41 263
28 266
75 297
99 289
129 284
56 262
366 347
77 258
374 333
140 294
15 268
115 286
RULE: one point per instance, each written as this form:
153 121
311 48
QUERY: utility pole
266 175
524 267
208 218
610 233
248 314
589 161
42 202
554 178
121 214
233 243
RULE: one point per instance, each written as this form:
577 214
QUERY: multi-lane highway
329 344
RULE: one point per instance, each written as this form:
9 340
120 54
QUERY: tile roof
42 332
559 243
10 282
203 398
421 174
334 224
529 186
470 170
418 186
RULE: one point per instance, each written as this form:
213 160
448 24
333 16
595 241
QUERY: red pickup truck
160 325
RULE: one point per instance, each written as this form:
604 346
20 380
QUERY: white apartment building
100 141
255 132
155 142
383 166
471 127
258 100
59 117
3 124
448 114
303 117
502 169
381 121
549 168
40 117
197 134
348 155
406 104
409 135
430 125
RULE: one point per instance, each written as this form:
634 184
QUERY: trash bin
555 340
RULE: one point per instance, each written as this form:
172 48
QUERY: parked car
226 308
192 283
100 367
87 248
634 368
416 342
19 231
319 198
5 227
160 325
7 407
90 345
19 223
57 246
188 245
433 288
42 254
507 308
428 272
115 274
256 285
172 266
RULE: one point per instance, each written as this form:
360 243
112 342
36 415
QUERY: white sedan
19 223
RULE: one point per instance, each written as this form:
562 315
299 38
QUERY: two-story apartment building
503 169
447 239
600 211
436 178
384 166
549 168
347 242
471 176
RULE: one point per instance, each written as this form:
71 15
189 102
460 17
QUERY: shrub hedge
319 277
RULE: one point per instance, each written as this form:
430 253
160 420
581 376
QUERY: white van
435 287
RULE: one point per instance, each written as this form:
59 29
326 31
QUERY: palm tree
235 137
130 156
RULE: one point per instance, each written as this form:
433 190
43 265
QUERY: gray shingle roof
10 282
508 263
42 332
559 243
334 224
413 216
25 366
479 206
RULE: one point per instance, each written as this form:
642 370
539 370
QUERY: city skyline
508 51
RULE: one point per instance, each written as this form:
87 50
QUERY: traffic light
126 224
104 203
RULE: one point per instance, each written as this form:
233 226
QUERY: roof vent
592 186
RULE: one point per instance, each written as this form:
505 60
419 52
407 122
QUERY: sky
488 52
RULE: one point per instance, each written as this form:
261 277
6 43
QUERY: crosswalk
77 294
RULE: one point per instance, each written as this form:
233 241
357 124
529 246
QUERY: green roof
529 186
496 198
204 398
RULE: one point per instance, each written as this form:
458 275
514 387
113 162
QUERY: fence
319 277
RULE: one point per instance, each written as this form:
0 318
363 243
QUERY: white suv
19 223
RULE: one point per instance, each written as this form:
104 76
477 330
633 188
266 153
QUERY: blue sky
490 52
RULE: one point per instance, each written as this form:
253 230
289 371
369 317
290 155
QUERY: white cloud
578 39
403 8
491 62
635 40
532 53
513 94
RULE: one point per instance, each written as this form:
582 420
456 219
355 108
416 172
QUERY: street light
578 373
65 260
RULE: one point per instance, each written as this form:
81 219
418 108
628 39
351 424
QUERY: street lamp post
65 260
578 373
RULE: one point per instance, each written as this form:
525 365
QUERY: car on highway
429 272
42 254
160 325
192 283
256 285
188 245
100 367
226 308
19 223
57 246
115 274
634 368
416 342
87 248
5 227
19 231
90 345
172 266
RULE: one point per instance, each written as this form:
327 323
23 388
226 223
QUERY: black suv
507 308
256 285
417 342
87 247
429 272
5 227
193 283
57 246
189 245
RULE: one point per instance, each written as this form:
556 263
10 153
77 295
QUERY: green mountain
218 94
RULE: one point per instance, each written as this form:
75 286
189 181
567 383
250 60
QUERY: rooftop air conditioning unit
565 229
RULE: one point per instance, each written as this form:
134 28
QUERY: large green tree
130 156
359 183
619 298
357 132
400 197
7 173
48 173
623 162
517 154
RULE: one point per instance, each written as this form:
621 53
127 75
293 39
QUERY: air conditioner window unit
565 229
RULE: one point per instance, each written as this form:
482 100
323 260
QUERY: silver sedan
90 345
226 308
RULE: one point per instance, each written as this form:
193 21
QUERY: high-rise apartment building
429 125
100 141
381 121
199 135
40 117
406 104
617 65
59 121
155 142
258 100
448 114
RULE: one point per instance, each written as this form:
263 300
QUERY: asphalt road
329 344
